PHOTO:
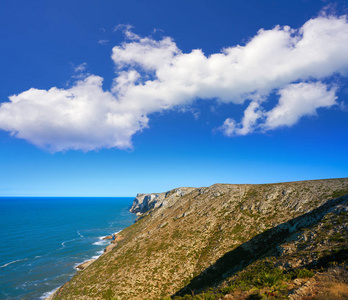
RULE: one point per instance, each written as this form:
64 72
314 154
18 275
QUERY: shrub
269 278
301 273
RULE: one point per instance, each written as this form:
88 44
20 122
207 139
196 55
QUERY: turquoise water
44 239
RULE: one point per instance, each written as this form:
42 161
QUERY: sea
44 239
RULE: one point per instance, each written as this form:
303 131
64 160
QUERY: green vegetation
339 193
250 241
261 280
301 273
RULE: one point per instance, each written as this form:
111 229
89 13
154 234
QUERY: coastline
175 231
69 232
113 238
141 204
54 292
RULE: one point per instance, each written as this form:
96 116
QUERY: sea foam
47 294
12 262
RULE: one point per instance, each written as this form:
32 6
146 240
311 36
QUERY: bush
228 289
301 273
108 294
269 278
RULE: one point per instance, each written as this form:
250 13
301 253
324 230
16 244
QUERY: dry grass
333 284
335 291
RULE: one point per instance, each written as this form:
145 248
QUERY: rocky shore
85 264
115 238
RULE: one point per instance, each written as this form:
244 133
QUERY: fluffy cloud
155 75
251 115
146 53
298 100
82 117
295 102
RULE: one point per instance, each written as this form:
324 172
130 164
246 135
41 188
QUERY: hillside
192 240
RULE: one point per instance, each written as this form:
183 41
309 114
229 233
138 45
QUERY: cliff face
191 238
144 202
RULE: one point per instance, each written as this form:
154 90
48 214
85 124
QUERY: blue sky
114 98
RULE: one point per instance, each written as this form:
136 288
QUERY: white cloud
295 102
229 127
298 100
127 30
80 68
155 75
81 117
103 42
251 115
146 53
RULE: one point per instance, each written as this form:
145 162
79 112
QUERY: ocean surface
44 239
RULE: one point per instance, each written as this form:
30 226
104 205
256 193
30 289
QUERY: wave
63 243
47 294
102 243
99 254
12 262
78 232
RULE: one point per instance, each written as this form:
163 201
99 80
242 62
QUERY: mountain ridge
181 234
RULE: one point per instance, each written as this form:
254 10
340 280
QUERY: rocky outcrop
85 264
143 203
109 248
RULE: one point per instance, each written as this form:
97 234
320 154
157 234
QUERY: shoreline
113 238
52 294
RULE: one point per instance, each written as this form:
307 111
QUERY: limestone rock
144 202
85 264
109 247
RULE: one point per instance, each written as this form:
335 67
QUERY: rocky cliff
144 202
189 240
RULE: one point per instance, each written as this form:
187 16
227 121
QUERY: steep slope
314 240
188 239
